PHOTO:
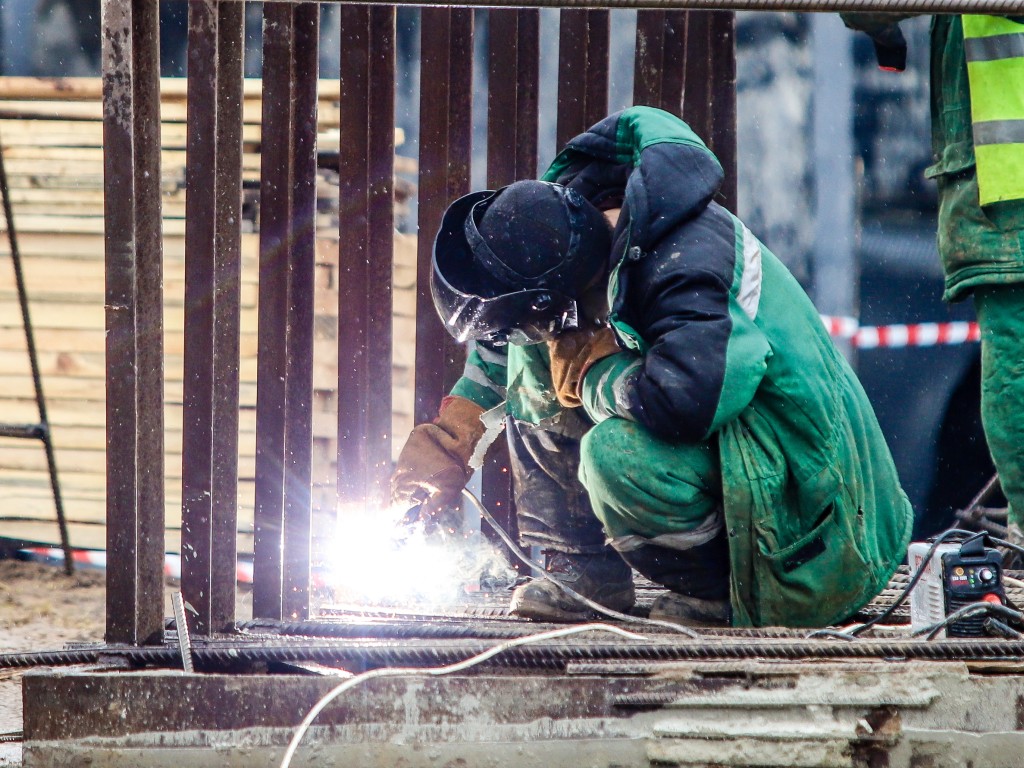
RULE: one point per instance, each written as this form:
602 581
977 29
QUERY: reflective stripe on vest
994 47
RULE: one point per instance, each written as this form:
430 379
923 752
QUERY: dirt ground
41 609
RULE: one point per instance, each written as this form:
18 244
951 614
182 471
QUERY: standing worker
977 105
672 401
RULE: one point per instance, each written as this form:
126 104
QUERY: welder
672 401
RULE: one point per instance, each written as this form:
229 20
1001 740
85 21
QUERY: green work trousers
1000 311
641 486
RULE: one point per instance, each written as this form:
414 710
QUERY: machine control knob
986 575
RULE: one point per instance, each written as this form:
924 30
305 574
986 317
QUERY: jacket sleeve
701 356
484 376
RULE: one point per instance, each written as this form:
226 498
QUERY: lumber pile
51 135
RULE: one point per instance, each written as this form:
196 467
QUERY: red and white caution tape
915 335
90 558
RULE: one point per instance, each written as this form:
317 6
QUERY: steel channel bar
446 61
583 51
227 288
212 306
697 109
276 182
648 58
512 118
200 256
991 7
366 226
722 77
134 321
298 507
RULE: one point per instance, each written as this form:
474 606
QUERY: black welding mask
509 265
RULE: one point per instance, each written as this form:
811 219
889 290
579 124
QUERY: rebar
822 6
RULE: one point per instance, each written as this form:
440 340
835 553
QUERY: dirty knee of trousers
642 485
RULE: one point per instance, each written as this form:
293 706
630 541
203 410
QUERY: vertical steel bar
660 56
697 109
583 57
134 321
722 75
200 256
212 314
512 117
276 183
648 58
301 278
446 41
227 303
366 226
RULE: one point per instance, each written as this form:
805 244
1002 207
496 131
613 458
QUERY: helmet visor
524 317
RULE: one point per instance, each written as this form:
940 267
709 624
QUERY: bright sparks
380 561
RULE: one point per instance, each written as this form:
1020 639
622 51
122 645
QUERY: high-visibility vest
994 47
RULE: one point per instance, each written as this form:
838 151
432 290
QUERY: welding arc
594 606
460 666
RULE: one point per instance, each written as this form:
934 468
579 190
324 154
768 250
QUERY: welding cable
459 666
594 606
932 630
995 627
854 631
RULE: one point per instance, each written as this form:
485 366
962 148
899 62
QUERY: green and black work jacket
721 344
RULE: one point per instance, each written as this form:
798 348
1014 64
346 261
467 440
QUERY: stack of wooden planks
51 136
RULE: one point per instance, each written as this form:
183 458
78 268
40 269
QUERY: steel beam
212 313
446 67
583 57
285 365
134 321
366 248
659 61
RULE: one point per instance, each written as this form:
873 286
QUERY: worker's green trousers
1000 311
642 486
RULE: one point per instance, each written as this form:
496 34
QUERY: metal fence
684 63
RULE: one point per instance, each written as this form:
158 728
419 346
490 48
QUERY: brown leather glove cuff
572 354
435 458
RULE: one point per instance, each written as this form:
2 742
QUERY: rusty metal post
686 64
134 321
446 74
512 118
659 60
366 251
285 365
212 313
583 57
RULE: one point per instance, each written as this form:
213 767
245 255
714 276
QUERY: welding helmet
510 265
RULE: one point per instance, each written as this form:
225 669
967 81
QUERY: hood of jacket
646 160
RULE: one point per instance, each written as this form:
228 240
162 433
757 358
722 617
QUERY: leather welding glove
572 353
433 467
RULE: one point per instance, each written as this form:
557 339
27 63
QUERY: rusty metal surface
722 76
446 51
661 48
583 57
212 311
134 320
285 365
366 226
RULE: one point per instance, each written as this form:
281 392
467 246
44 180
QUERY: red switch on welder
992 598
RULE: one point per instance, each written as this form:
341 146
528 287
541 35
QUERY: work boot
691 611
604 578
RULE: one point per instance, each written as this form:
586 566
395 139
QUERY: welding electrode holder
435 521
